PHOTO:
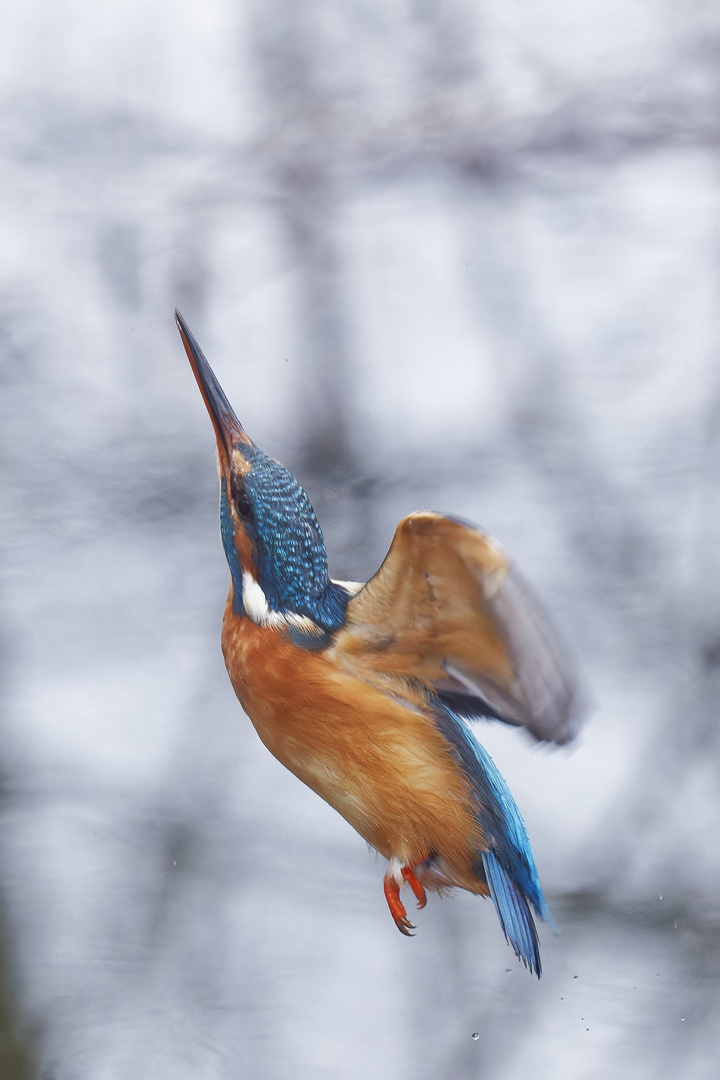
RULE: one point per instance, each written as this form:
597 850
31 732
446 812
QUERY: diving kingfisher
363 690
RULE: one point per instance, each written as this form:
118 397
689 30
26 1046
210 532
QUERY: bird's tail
506 863
514 913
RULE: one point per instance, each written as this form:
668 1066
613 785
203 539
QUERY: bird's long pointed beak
228 428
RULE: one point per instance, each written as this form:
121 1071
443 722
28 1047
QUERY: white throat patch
257 610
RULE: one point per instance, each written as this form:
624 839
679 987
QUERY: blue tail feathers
514 913
507 864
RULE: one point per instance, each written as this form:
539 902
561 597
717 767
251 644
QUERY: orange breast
375 756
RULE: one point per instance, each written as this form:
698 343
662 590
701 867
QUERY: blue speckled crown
290 549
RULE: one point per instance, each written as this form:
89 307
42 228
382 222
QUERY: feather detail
507 863
515 917
447 607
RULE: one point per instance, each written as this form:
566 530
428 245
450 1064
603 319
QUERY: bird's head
272 539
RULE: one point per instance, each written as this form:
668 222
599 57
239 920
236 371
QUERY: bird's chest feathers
277 682
377 758
303 709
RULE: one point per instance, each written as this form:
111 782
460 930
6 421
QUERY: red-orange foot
392 887
420 894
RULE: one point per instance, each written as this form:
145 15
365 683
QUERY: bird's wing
446 607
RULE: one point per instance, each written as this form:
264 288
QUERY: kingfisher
364 691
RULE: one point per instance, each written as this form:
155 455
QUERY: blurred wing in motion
447 608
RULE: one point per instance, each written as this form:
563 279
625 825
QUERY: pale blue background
460 256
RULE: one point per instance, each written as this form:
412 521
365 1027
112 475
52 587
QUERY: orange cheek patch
240 463
244 548
243 543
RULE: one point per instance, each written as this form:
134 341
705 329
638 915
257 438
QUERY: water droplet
661 896
476 1035
576 976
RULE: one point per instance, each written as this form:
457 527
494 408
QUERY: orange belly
377 758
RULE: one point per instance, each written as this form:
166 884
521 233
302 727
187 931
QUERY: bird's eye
237 493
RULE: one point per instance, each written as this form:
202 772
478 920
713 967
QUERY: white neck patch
257 610
351 587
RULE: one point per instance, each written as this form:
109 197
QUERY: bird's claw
405 926
419 892
397 908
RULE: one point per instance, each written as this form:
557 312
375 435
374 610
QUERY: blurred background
450 255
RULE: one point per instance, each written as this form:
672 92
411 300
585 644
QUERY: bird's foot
420 894
395 878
